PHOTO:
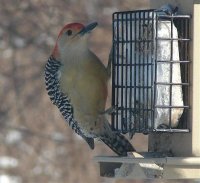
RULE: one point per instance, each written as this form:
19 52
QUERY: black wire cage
150 66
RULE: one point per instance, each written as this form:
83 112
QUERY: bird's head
72 36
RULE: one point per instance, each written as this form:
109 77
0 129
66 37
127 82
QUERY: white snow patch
10 179
13 137
8 162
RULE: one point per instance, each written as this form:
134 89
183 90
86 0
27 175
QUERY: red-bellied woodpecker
76 82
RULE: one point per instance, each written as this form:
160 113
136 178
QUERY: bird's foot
163 126
110 110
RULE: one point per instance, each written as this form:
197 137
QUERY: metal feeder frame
143 40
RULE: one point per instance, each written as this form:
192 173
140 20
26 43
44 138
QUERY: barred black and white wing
61 100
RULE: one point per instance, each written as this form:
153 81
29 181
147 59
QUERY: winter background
35 143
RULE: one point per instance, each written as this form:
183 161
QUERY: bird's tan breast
86 86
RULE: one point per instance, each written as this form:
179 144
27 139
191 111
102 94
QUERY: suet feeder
155 91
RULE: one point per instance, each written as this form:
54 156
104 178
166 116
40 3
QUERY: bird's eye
69 32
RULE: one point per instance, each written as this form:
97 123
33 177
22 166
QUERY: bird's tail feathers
118 143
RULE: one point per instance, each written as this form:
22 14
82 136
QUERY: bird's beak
88 28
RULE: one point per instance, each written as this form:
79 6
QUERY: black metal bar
163 17
122 74
113 73
131 86
120 86
176 16
171 71
170 107
135 64
174 39
135 76
134 12
139 72
166 39
172 130
148 112
166 83
155 70
117 76
139 64
137 41
126 72
187 93
174 61
143 71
